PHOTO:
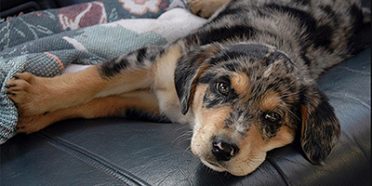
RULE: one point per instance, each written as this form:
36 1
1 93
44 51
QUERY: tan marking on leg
127 81
99 107
165 66
205 8
37 95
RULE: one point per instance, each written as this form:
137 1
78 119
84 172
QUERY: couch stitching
94 160
280 172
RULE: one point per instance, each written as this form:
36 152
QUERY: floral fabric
45 43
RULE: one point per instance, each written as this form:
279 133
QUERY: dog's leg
99 107
205 8
37 95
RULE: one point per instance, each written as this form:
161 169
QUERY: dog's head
248 99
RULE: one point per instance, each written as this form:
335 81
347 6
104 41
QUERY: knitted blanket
46 42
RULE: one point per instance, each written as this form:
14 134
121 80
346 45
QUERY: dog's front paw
29 94
204 8
33 124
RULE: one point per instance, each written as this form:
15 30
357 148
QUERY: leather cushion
114 151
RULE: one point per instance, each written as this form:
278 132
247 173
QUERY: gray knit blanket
45 43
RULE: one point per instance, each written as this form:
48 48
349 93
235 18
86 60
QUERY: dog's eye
223 88
272 117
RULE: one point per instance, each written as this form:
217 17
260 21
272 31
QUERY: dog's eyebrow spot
270 101
241 83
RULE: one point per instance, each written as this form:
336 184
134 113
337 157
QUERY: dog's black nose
224 151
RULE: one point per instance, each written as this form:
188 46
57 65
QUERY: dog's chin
220 168
214 166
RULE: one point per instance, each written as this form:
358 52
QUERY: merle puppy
245 81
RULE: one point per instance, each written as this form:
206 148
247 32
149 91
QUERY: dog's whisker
186 136
186 150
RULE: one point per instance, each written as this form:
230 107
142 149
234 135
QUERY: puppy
245 81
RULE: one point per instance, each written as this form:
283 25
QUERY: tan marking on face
198 98
253 149
208 122
251 153
241 83
253 146
284 136
253 140
270 101
214 116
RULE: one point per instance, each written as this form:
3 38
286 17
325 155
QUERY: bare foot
30 93
205 8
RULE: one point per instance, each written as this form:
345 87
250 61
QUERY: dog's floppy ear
188 71
320 128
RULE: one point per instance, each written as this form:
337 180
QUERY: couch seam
351 98
94 160
360 147
280 172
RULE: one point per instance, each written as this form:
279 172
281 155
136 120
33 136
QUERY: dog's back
314 33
